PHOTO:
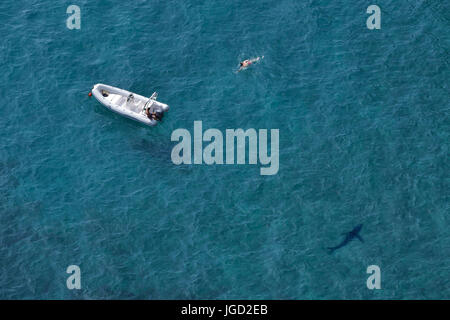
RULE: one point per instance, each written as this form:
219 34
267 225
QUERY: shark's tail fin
359 237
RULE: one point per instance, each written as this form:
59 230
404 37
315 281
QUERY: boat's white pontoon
129 104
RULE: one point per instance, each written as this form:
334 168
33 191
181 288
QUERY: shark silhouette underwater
349 236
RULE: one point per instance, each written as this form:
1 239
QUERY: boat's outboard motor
158 112
159 115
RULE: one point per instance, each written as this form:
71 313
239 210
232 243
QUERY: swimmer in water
244 64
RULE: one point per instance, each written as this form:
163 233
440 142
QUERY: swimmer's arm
256 59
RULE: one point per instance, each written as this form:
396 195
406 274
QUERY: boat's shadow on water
155 149
153 141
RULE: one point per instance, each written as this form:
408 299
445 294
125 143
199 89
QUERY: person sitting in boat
105 93
130 98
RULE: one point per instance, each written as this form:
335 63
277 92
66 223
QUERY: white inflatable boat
131 105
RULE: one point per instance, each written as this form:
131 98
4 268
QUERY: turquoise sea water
364 138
